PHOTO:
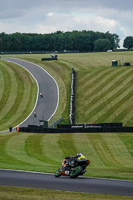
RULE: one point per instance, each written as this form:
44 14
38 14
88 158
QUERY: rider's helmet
79 154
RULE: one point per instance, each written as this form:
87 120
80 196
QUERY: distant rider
41 95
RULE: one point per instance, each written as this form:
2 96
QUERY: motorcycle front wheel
57 174
78 170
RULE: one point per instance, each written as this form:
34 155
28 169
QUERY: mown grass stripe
110 96
35 148
1 83
13 105
11 98
116 100
71 65
94 94
127 140
83 143
125 108
27 103
19 96
27 100
54 155
66 142
4 156
7 83
97 79
86 79
21 99
118 149
122 116
105 86
17 147
104 152
80 94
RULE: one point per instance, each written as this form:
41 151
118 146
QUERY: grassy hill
104 93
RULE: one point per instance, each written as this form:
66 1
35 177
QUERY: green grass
17 94
111 154
18 193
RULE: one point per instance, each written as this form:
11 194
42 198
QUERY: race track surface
47 105
80 184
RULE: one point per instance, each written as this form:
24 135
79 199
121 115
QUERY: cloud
50 14
45 16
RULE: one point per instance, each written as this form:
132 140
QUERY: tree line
82 41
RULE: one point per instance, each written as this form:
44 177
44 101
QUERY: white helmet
79 154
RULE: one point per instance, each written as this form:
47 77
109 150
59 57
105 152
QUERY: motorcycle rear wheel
78 170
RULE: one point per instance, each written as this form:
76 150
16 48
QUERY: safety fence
72 98
77 130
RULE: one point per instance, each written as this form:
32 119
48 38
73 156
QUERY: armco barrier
72 98
76 130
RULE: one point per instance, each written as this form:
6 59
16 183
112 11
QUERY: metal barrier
77 130
72 98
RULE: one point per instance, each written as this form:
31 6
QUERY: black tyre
78 170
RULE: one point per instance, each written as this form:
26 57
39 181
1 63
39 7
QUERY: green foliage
102 45
82 41
128 42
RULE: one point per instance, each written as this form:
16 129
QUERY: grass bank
110 154
17 94
18 193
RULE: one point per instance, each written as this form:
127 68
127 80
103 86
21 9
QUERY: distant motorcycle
72 167
41 95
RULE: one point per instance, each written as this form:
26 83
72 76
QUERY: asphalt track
80 184
45 107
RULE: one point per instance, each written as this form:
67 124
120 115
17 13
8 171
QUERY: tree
128 42
102 45
116 41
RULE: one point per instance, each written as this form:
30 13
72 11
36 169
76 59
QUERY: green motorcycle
72 167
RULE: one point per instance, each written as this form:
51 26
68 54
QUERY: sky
47 16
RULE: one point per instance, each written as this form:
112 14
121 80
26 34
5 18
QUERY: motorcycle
72 167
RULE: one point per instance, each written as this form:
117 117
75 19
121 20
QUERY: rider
41 95
79 157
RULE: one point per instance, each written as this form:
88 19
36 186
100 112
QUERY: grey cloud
32 15
60 5
12 13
